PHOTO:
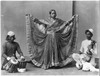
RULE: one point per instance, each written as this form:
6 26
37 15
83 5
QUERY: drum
11 66
22 66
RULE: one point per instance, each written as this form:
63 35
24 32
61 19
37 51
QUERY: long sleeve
19 50
4 49
95 49
81 49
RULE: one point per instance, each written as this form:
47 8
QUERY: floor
69 69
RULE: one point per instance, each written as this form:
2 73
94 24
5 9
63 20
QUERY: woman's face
53 14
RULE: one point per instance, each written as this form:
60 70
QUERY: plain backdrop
13 17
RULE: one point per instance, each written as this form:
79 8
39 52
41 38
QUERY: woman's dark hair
51 11
9 37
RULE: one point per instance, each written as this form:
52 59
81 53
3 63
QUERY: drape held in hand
53 47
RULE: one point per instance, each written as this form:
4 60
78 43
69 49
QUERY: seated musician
87 53
10 48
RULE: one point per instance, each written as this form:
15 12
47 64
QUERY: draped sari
53 47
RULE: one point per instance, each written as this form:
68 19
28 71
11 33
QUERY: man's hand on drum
8 58
22 58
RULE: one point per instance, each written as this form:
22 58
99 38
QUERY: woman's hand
75 16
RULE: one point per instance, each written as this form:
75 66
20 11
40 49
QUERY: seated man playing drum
9 53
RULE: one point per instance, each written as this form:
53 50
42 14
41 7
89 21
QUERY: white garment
84 47
88 67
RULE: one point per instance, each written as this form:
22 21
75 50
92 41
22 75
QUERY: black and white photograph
50 37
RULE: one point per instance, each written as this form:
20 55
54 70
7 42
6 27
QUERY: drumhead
14 61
